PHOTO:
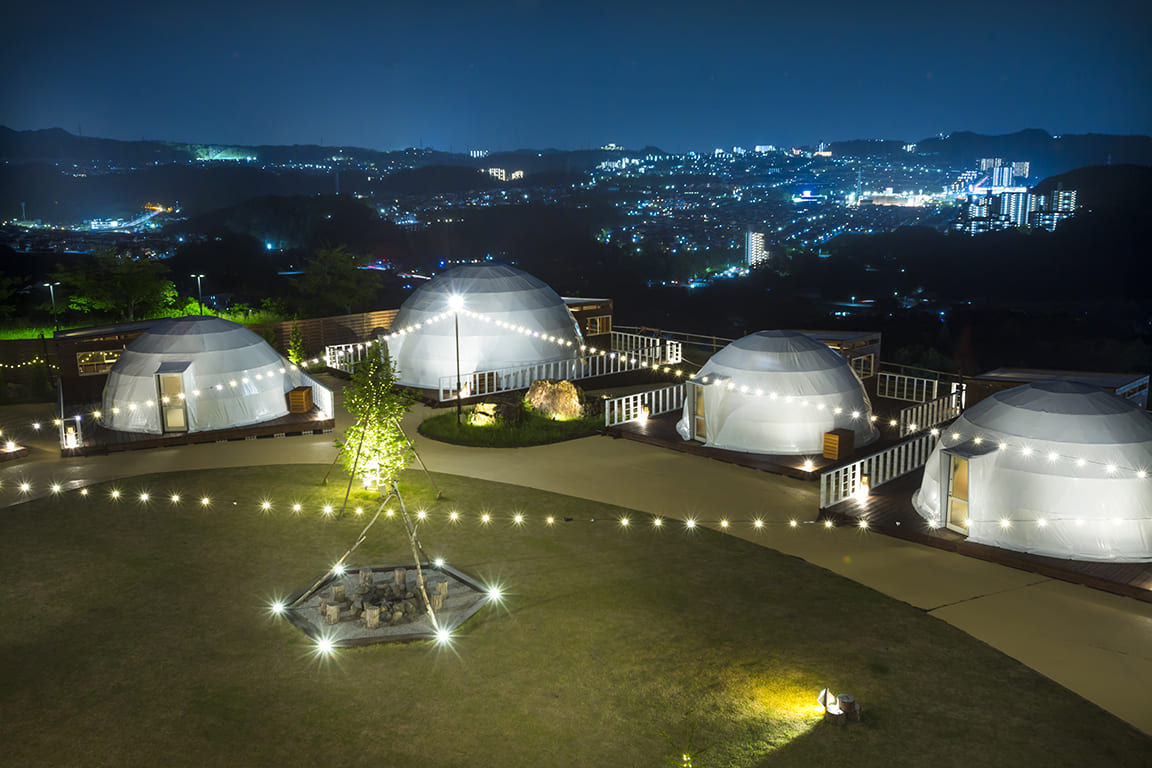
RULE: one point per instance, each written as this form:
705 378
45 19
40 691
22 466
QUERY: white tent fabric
229 377
505 318
1053 469
778 392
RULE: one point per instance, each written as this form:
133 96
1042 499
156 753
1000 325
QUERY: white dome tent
775 392
507 319
1053 468
193 374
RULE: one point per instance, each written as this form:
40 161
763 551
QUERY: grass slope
137 633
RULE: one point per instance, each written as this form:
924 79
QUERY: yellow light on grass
205 501
175 498
115 494
758 523
327 509
689 523
828 523
265 505
55 487
549 520
792 523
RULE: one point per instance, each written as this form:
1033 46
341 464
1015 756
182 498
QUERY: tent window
98 362
599 324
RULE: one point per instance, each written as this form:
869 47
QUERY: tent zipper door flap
956 507
172 402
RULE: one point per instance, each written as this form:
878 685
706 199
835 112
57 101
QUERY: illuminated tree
296 344
374 449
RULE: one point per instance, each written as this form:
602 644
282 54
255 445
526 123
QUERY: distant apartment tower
988 163
765 148
1002 176
754 252
1063 200
478 153
1020 169
498 173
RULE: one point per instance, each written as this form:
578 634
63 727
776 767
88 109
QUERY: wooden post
371 616
848 705
442 588
833 714
338 593
437 600
365 576
332 613
401 577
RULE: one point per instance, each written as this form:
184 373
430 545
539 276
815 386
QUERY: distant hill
1105 187
1048 155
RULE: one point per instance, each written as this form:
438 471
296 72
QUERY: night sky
501 75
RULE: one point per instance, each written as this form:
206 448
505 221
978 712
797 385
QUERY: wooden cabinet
839 444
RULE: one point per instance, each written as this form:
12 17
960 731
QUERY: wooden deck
889 511
99 440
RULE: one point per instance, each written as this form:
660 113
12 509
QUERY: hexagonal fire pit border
456 610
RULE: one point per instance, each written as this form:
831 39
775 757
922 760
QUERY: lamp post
456 303
200 292
52 292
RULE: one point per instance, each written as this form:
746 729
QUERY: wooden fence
631 407
932 413
493 382
842 483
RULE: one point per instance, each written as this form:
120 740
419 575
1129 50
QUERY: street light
52 293
200 292
456 303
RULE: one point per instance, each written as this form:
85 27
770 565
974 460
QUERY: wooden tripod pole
339 563
417 551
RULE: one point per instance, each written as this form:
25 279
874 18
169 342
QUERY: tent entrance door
956 504
173 406
699 427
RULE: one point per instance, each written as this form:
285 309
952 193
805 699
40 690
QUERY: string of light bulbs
1112 469
637 521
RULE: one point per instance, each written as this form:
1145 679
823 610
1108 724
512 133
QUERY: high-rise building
1020 169
477 153
988 163
1002 176
498 173
1063 200
754 252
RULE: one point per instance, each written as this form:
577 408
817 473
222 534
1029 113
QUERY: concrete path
1096 644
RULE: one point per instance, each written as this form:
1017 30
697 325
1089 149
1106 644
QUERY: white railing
344 357
842 483
631 407
897 386
492 382
650 349
932 413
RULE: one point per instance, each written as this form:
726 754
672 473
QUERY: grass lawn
138 634
533 429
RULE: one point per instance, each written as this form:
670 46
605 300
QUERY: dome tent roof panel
494 296
1064 479
778 392
229 377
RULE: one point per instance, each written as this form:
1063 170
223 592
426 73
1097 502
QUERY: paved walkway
1096 644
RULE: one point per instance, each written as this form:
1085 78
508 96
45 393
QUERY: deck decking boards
99 440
